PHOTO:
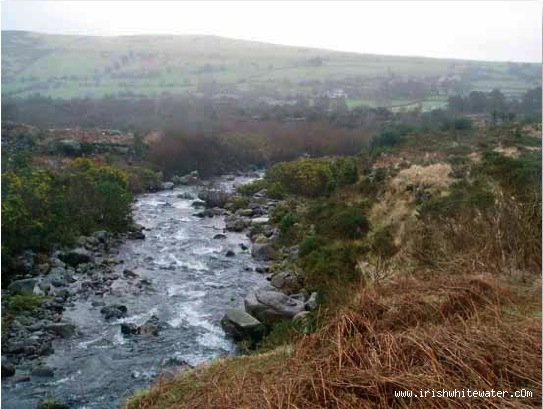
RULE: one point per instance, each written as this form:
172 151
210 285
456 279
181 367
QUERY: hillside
66 66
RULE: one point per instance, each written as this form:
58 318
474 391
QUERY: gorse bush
338 220
313 177
41 208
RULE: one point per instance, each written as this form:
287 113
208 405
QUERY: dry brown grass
433 332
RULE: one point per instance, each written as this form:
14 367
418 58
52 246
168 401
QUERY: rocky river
181 277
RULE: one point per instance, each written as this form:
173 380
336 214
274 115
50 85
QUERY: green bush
25 302
287 221
338 220
312 177
464 196
330 264
41 208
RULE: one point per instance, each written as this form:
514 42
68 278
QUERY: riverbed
192 282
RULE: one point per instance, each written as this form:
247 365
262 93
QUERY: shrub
41 208
24 302
287 221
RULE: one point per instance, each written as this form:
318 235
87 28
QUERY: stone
23 287
219 236
301 317
135 235
167 185
236 223
7 369
114 311
271 306
213 197
185 195
260 220
102 236
76 256
285 281
311 303
129 274
64 330
262 251
129 329
230 253
240 325
150 327
43 371
245 212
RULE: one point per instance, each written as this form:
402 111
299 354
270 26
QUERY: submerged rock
63 330
240 325
114 311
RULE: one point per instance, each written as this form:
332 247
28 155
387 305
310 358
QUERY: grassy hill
67 66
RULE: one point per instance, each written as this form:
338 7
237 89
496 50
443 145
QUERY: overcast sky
486 30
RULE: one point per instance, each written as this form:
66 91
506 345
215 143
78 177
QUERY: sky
480 30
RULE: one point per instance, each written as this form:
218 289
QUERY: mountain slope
69 66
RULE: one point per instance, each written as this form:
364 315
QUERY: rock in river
114 311
270 306
240 325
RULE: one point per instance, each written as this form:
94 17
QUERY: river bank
139 305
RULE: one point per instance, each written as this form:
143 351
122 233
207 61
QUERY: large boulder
214 197
61 329
271 306
240 326
167 185
286 281
76 256
189 179
262 251
236 223
25 286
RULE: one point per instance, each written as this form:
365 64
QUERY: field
63 66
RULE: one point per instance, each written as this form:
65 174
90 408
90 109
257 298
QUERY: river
193 283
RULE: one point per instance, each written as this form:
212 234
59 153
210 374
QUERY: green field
65 66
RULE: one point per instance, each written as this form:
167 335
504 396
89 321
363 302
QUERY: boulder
214 197
114 311
167 185
286 282
185 195
240 325
76 256
236 223
129 329
311 303
42 371
102 236
129 274
262 251
271 306
25 286
260 220
61 329
219 236
7 369
230 253
150 327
